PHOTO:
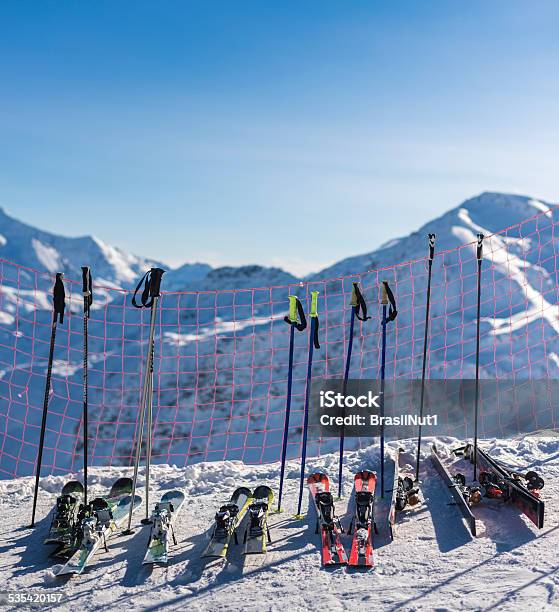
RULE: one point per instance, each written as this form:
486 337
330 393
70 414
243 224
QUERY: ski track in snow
433 564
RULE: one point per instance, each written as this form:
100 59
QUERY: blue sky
292 133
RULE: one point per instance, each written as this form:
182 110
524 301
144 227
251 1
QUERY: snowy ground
433 564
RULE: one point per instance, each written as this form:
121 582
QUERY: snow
434 563
119 261
220 327
6 318
47 255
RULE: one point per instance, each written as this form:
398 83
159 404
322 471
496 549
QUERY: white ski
162 519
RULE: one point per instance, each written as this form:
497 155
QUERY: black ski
64 519
463 496
522 490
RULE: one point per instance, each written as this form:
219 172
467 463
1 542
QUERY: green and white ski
162 519
99 520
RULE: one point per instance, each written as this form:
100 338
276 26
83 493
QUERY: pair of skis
229 517
97 521
521 490
329 525
497 482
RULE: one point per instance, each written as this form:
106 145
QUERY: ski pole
87 301
59 304
313 343
387 296
431 240
149 299
296 320
479 255
146 520
357 304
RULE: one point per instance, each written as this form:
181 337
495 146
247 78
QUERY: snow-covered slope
433 564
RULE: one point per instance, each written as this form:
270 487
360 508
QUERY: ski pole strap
388 296
480 238
59 298
358 303
431 239
152 285
87 291
314 315
296 316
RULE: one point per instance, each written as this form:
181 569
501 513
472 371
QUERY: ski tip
277 511
299 517
127 532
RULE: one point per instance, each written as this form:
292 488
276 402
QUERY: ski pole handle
354 291
296 316
59 298
86 289
431 240
155 282
314 304
480 238
293 309
384 294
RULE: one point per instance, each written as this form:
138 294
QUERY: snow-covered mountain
487 213
46 252
221 356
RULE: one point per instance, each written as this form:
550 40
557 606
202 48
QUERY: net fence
221 356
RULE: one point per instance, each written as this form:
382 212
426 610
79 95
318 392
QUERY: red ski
363 522
333 552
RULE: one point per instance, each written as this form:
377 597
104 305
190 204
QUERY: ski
463 496
98 521
522 490
227 519
404 494
162 519
257 533
333 552
64 519
363 523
